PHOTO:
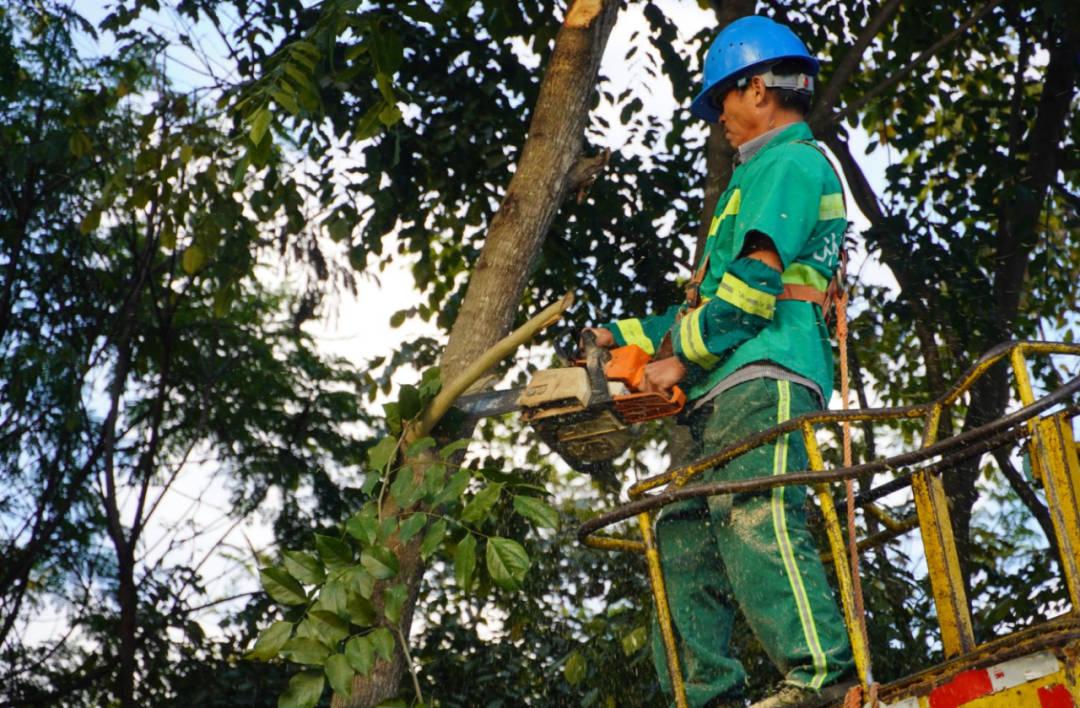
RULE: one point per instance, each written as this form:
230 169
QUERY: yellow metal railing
1054 460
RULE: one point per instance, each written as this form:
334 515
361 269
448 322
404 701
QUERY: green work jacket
789 192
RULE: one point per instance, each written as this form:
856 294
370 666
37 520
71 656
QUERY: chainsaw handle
596 359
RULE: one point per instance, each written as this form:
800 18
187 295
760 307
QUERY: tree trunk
536 192
719 155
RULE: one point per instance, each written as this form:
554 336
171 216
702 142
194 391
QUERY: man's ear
760 91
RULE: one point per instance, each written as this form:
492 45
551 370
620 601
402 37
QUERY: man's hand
662 375
604 337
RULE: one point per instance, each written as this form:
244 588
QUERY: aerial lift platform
1038 666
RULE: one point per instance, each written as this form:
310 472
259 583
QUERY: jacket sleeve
646 332
743 306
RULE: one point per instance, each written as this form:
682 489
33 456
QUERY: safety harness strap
803 293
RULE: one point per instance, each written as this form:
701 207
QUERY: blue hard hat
748 42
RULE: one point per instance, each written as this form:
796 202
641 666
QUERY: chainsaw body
586 412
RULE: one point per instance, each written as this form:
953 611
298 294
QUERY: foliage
143 337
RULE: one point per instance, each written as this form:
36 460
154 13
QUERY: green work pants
752 552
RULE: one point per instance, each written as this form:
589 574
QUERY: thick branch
538 187
1020 234
847 66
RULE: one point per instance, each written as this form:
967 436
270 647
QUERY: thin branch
1029 498
498 351
930 51
409 663
850 63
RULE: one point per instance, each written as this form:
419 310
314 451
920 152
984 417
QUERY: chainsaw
585 412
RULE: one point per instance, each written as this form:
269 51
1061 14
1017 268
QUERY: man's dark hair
798 101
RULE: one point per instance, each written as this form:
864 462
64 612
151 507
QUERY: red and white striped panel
970 685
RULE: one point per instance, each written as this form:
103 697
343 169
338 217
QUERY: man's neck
778 122
751 146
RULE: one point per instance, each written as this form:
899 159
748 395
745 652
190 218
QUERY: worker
751 348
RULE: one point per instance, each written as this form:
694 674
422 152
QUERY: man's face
739 116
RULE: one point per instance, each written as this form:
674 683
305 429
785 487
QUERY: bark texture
538 187
541 182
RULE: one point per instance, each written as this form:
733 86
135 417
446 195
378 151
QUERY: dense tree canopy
187 185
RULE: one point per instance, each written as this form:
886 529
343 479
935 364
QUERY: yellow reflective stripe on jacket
802 274
730 209
692 343
632 332
831 207
734 291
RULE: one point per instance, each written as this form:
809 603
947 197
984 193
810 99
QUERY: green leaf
393 601
328 627
270 641
481 504
340 674
388 526
393 417
80 144
383 641
387 50
433 538
389 115
361 654
574 669
380 562
193 260
406 489
339 230
434 480
333 597
409 402
465 561
454 488
282 587
380 455
305 650
304 691
304 566
369 124
360 582
260 121
364 525
393 703
507 562
286 100
419 446
361 611
411 526
635 640
453 447
430 384
536 511
334 552
90 222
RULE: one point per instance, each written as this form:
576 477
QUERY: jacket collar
777 136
